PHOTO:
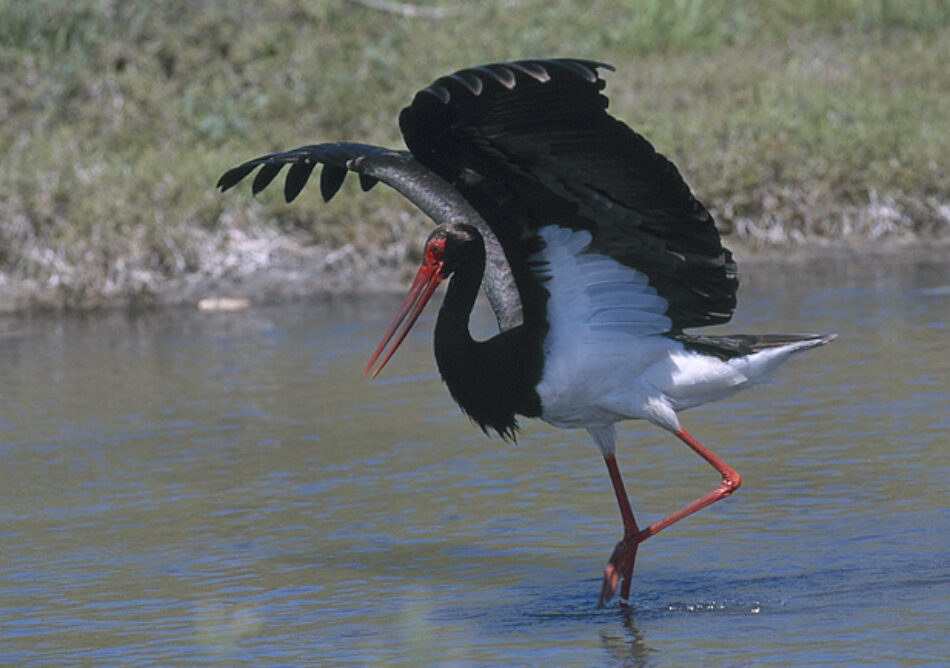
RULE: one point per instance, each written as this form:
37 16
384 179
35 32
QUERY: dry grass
808 123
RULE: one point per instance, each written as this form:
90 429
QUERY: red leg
621 562
731 480
620 565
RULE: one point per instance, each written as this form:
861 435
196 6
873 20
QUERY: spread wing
530 144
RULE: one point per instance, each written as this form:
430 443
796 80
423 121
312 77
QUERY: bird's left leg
620 565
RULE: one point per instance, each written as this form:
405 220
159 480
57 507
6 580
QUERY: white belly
606 356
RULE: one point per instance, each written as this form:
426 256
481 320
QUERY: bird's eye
434 251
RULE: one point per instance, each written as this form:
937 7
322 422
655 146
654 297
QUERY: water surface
190 488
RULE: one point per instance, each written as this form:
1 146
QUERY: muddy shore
269 267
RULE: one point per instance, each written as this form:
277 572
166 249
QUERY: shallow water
193 488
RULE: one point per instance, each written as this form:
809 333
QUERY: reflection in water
182 487
626 646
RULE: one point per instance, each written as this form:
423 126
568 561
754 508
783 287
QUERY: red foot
620 567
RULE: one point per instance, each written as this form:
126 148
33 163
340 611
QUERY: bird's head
450 247
453 246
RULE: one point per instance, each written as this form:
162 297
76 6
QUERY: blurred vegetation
810 122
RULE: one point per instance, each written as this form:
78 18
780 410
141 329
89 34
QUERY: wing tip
506 73
336 160
234 176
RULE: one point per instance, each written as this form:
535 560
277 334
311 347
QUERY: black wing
530 144
398 169
336 158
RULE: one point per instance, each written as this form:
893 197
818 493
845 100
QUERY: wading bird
591 249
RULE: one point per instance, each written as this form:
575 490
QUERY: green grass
805 123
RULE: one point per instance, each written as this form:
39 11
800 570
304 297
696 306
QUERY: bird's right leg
731 480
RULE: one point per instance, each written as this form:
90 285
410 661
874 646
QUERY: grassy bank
808 123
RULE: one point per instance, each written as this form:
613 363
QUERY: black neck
491 380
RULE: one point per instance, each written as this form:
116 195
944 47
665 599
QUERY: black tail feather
738 345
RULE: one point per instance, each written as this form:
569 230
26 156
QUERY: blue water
190 488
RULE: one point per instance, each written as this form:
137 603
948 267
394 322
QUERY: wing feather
535 146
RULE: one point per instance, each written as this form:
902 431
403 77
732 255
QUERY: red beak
424 285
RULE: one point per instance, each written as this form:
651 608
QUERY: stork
593 253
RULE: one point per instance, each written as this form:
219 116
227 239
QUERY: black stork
592 251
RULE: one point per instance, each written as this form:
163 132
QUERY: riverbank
806 129
247 271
